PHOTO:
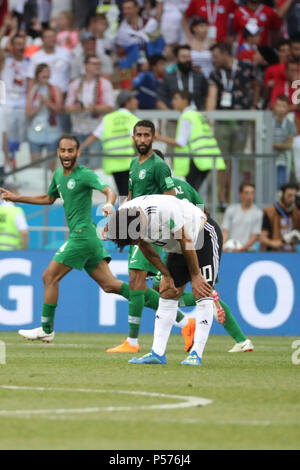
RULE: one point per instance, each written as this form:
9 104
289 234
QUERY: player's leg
51 278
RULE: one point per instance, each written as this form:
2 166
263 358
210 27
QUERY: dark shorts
208 256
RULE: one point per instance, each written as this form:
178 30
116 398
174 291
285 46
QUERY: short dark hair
70 137
17 36
39 68
291 62
295 38
243 185
124 227
223 47
89 57
145 123
197 21
283 98
155 58
184 94
283 42
289 185
179 48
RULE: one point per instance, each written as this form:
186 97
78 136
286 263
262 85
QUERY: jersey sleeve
94 181
196 198
52 190
163 177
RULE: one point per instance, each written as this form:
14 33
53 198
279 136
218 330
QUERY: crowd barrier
259 287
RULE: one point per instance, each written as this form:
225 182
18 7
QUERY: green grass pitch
71 394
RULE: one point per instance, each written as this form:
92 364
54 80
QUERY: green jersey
75 190
153 176
184 190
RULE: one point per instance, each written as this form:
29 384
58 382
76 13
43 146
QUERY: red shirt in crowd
265 17
274 74
216 13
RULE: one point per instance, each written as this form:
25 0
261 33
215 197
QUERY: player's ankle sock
47 319
204 319
136 305
181 319
164 320
231 325
151 298
125 291
187 300
133 341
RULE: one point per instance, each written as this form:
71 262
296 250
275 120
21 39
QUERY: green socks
231 325
47 319
125 291
136 306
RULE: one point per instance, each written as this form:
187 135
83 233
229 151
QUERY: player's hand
167 287
107 209
200 288
8 195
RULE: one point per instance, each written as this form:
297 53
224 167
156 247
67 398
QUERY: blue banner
259 288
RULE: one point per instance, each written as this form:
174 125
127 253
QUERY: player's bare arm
200 287
43 199
111 197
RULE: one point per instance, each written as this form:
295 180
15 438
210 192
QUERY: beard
143 149
72 162
185 67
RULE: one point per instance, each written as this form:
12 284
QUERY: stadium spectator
35 15
232 85
59 60
115 133
265 17
147 83
169 54
200 46
251 36
289 10
8 29
193 135
185 79
67 36
89 98
216 12
4 151
284 131
13 225
98 25
14 75
286 88
44 104
171 19
241 225
86 48
264 56
83 10
276 72
281 222
3 11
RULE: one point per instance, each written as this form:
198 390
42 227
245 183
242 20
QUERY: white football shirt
166 215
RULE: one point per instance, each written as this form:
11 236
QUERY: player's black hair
145 123
124 227
69 137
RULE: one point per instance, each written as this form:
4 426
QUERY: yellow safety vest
10 238
117 139
202 142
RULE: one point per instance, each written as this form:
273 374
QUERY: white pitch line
188 401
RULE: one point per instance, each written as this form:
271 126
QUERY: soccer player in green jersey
73 183
148 174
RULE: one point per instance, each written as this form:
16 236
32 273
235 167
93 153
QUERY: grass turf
255 396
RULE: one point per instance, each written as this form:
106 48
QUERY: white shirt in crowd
84 123
242 224
60 65
3 129
165 216
14 75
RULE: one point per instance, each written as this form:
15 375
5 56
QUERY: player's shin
164 320
204 319
136 305
231 325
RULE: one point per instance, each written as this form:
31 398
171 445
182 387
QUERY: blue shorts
37 148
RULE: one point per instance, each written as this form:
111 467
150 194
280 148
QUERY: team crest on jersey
142 174
71 184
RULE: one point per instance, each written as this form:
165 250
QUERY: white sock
182 323
164 320
133 341
204 319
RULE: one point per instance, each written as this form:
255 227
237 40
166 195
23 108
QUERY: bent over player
194 244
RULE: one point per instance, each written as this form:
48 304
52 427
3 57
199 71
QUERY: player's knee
48 278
